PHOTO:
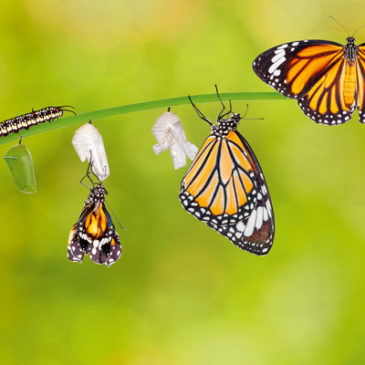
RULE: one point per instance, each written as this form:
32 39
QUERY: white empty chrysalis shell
89 144
169 133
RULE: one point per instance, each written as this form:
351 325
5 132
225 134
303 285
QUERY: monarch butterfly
24 121
225 187
327 78
94 232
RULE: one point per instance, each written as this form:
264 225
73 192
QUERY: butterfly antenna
361 26
115 217
246 112
244 115
340 25
200 114
220 99
230 109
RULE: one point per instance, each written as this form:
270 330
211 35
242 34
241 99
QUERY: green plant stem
123 109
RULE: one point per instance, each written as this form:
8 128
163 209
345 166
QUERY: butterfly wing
220 186
313 72
256 232
360 80
252 231
94 234
78 241
106 248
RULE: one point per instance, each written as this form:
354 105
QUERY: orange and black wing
220 185
94 234
98 225
313 72
78 242
256 232
360 81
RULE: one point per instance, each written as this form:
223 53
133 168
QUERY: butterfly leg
200 114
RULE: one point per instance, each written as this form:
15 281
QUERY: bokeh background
181 293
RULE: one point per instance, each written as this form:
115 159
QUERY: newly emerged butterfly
327 78
94 233
225 187
25 121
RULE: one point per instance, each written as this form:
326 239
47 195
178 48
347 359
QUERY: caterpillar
24 121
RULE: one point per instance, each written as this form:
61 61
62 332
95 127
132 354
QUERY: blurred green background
181 293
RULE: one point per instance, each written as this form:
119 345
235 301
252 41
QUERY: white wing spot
250 224
275 65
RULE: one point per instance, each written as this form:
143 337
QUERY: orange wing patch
207 195
220 181
307 68
96 223
318 50
242 156
331 99
199 159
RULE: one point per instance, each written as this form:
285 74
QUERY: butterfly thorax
350 50
97 194
224 126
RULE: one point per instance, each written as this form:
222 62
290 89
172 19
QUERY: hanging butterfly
225 187
94 233
25 121
327 78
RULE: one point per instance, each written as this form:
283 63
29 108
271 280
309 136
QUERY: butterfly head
350 41
97 194
224 126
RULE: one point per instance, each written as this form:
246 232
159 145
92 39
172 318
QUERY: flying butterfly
327 78
25 121
94 233
225 187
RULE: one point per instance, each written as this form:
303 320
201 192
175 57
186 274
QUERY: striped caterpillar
24 121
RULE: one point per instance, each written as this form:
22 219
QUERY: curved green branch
164 103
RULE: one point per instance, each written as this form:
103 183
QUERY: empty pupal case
89 145
169 134
20 164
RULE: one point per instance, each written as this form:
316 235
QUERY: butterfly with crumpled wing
94 233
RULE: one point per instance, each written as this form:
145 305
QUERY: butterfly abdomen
349 85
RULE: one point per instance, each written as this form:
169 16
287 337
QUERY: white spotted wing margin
255 233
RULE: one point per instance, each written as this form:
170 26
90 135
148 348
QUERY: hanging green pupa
20 163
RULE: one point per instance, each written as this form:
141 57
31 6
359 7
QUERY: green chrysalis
20 163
